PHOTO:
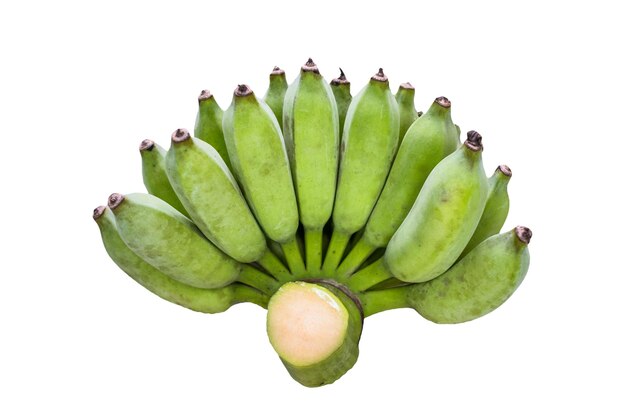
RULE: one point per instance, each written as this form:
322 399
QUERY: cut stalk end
315 328
407 86
306 323
344 289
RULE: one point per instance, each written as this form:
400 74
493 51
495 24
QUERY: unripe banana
170 242
473 287
311 131
496 209
257 152
430 139
212 197
154 174
479 283
406 107
341 91
275 95
209 124
443 218
197 299
369 143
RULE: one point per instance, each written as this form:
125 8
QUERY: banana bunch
324 209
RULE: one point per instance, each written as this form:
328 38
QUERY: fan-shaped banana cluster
324 209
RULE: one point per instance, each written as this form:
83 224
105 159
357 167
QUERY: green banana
311 132
275 95
315 328
406 107
443 218
479 283
215 204
154 174
170 242
196 299
496 209
341 90
430 139
369 143
475 286
209 124
259 158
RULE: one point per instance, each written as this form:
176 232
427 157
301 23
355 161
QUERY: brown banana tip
505 170
243 90
407 86
310 66
180 135
380 76
98 212
341 79
115 200
474 141
277 71
204 95
523 234
443 102
420 113
146 145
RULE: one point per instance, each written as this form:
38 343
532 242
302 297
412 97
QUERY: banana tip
180 135
443 102
277 71
407 86
341 79
204 95
505 170
146 145
115 200
242 90
380 76
309 66
523 234
474 141
98 212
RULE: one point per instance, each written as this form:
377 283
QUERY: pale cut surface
306 323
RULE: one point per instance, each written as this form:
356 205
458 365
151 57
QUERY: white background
83 83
